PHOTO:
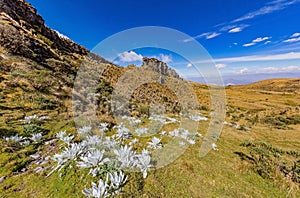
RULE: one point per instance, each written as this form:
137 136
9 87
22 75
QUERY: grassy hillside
257 154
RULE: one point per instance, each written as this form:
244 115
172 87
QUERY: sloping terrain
257 154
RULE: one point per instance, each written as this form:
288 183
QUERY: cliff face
23 32
159 67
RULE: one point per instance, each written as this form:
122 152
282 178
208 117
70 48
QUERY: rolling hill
256 155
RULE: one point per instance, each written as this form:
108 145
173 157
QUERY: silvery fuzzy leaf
184 134
103 127
171 120
84 130
190 141
61 135
117 180
15 138
69 153
134 141
67 139
214 146
28 119
158 118
25 143
98 191
198 118
110 142
143 162
123 132
141 131
36 137
155 143
93 158
93 140
125 156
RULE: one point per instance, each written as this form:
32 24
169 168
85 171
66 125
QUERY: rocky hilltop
23 32
158 66
38 67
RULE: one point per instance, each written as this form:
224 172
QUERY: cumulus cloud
189 65
130 56
165 58
243 71
221 66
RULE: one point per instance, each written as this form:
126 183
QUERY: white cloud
165 58
295 35
235 30
130 56
212 35
292 40
270 8
267 42
243 71
260 39
269 70
227 27
248 44
257 40
189 65
207 35
286 56
235 43
221 66
287 69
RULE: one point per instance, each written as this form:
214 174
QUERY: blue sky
242 36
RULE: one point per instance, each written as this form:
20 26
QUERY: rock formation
158 66
23 32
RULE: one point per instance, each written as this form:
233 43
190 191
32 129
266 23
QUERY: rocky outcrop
158 66
23 32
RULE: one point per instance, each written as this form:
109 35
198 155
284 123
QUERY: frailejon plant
141 131
155 143
24 141
101 157
106 158
110 187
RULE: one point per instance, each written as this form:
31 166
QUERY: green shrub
267 161
45 39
